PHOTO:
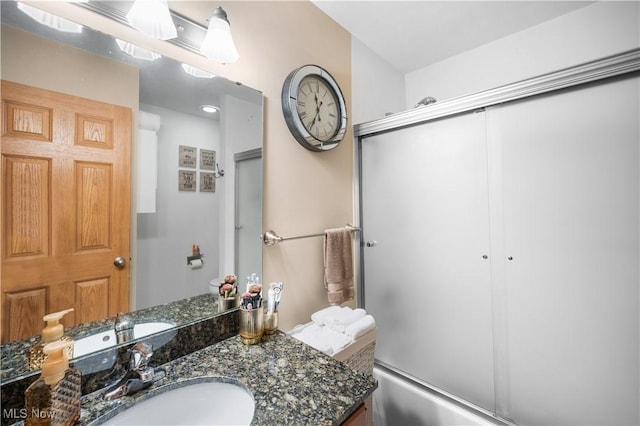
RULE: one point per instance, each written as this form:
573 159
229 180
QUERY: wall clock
314 108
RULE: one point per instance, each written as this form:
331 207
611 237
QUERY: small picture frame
188 156
207 159
207 182
186 180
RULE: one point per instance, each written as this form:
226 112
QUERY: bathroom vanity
289 381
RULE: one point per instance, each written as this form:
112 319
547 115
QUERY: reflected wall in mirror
91 65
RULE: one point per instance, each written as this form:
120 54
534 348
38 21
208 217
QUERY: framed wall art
207 182
186 180
188 156
207 159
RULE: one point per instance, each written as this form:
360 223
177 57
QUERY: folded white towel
360 327
344 318
311 334
336 341
324 316
348 316
321 338
337 318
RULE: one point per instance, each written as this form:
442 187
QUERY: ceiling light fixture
50 20
209 108
218 43
196 72
137 51
152 17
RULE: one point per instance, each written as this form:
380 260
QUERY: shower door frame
610 66
607 67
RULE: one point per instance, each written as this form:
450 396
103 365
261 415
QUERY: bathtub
400 402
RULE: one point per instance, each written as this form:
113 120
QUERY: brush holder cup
226 303
251 325
270 322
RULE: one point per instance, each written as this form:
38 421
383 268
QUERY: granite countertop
291 382
14 355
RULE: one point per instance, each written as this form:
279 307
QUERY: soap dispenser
52 332
54 399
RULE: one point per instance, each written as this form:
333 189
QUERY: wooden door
65 208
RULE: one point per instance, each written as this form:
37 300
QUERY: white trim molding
610 66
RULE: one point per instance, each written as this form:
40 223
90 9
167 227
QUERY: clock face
317 107
314 108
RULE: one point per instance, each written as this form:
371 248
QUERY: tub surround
291 382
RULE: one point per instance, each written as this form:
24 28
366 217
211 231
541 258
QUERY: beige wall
304 191
27 59
39 62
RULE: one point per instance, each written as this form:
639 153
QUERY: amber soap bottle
54 399
52 332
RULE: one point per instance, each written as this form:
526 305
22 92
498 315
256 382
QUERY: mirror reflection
195 180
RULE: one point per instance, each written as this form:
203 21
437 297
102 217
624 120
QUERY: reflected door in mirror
248 226
65 208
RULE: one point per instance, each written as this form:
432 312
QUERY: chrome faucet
139 376
123 327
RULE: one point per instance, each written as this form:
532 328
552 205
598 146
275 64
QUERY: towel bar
270 237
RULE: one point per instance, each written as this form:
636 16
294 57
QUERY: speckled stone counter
291 382
14 355
194 330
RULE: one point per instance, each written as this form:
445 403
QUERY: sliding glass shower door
426 266
501 254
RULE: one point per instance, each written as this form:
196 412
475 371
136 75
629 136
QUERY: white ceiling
414 34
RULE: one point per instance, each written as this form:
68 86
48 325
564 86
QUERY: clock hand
317 116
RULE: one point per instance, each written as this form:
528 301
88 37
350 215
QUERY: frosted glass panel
248 217
424 203
571 197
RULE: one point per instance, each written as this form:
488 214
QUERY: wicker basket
360 355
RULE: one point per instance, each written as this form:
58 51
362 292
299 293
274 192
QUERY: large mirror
198 188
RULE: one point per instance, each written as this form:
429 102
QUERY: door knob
119 262
371 243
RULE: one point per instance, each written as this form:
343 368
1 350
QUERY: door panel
425 217
23 309
248 226
65 208
571 185
90 297
27 188
27 121
93 190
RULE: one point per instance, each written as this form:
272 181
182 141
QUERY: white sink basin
107 339
203 403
